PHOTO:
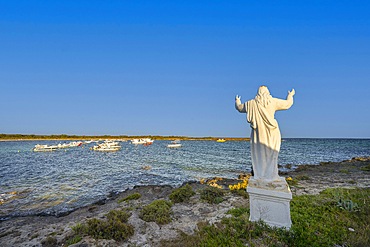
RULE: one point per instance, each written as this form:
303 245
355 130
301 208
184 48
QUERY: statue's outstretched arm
291 93
238 104
289 98
281 104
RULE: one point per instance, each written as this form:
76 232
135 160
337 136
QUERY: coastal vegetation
318 220
134 196
158 211
114 226
182 194
212 195
335 217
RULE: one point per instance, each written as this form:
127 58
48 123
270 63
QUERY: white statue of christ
265 135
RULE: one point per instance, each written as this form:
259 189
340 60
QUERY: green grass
212 195
114 227
49 242
134 196
182 194
302 177
236 212
158 211
74 239
366 168
318 220
241 192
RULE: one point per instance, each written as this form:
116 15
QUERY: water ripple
60 181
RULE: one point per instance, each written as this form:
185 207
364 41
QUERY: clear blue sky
174 67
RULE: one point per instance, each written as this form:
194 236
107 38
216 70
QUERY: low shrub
158 211
236 212
212 195
134 196
73 239
118 215
366 168
182 194
49 242
302 177
111 229
242 193
114 227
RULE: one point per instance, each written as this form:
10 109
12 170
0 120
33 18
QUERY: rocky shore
54 231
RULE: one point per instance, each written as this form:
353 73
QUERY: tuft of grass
302 177
212 195
366 168
50 241
158 211
242 193
118 215
291 181
182 194
236 212
74 239
317 221
114 227
134 196
79 228
346 171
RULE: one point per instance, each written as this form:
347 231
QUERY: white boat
107 146
69 145
44 148
111 144
143 141
148 141
137 141
64 145
106 149
75 144
174 144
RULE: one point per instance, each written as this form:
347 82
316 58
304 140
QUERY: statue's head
263 96
263 90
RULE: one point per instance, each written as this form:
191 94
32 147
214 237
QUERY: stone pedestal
270 202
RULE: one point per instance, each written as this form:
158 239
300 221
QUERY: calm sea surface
60 181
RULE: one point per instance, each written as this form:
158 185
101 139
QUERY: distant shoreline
21 137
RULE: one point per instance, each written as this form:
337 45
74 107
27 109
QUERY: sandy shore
33 230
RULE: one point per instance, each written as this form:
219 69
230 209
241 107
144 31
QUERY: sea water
54 183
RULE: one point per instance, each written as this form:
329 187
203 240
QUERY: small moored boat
221 140
143 141
107 146
44 148
174 144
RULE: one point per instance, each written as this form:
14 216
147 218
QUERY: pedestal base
270 202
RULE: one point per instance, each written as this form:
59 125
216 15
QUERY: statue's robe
265 135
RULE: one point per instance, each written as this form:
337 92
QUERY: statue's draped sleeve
281 104
240 107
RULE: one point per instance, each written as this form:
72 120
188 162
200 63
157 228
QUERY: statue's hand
292 93
237 98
